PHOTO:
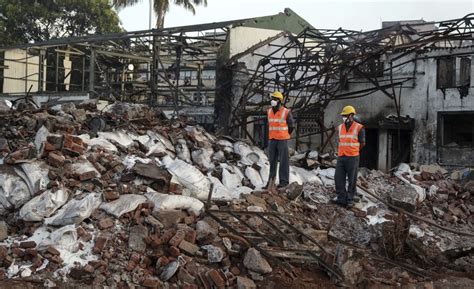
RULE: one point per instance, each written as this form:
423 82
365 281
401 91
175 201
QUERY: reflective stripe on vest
277 125
349 140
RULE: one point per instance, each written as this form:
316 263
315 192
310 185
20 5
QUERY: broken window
453 72
458 130
373 67
465 72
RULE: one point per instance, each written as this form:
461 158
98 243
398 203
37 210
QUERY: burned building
173 68
410 82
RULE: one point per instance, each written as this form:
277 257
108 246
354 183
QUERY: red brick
53 251
32 252
56 159
234 270
37 262
89 268
189 220
17 252
77 140
174 251
100 243
191 236
81 231
106 223
3 251
130 266
162 261
188 247
28 244
77 148
67 143
135 257
151 283
217 279
190 286
56 259
166 237
97 263
87 175
111 195
177 238
49 146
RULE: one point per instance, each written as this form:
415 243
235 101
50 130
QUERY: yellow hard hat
348 110
278 95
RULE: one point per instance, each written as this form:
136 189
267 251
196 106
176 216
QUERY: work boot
337 202
356 199
281 186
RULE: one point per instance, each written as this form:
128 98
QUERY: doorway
369 154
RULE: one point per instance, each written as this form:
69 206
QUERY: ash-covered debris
119 197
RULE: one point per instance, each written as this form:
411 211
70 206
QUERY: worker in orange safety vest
350 142
280 127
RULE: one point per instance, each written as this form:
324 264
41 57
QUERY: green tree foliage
162 6
24 21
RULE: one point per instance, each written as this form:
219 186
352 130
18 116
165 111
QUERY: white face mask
273 103
344 119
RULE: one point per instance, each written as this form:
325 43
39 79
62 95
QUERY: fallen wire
400 210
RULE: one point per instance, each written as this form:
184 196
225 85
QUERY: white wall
243 38
18 71
419 99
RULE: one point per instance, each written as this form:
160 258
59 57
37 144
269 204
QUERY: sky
355 14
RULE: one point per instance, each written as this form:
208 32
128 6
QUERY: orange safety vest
349 140
277 125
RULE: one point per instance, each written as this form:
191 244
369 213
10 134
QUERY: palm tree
162 6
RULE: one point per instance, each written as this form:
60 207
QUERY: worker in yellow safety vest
350 142
280 127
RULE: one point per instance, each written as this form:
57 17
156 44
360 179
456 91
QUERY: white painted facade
243 38
20 66
420 100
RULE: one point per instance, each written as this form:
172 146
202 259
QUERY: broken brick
56 159
99 245
151 283
135 257
31 252
130 266
217 279
17 252
111 195
49 147
106 223
89 268
28 244
188 247
53 251
191 236
177 238
87 175
162 261
174 251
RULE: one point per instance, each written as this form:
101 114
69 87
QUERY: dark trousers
278 151
346 167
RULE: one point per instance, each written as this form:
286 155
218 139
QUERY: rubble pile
115 195
120 196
